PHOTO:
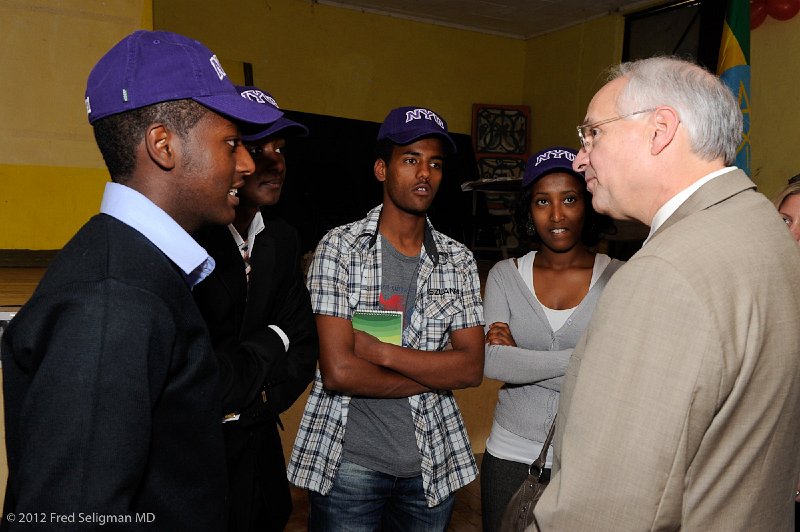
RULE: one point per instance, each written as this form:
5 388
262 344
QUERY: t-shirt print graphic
394 302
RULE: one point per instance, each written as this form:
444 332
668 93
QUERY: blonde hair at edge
789 190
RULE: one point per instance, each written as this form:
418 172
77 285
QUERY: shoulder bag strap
537 466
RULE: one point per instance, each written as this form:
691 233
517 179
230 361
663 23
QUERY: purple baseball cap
148 67
547 161
404 125
284 125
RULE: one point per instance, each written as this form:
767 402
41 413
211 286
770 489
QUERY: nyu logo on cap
149 67
424 114
405 125
256 95
284 125
557 154
217 67
547 161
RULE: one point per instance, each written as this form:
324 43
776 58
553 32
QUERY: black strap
537 466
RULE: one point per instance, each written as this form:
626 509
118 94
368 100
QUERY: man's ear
158 142
380 169
666 122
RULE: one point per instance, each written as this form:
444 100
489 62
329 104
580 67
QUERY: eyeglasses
588 132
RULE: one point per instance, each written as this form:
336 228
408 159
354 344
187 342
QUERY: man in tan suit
681 405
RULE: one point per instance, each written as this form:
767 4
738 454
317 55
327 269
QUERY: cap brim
407 137
240 109
283 125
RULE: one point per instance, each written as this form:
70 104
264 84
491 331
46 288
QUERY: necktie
245 251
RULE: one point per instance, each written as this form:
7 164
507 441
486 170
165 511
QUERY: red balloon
758 12
783 9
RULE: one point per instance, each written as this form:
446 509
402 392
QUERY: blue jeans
364 500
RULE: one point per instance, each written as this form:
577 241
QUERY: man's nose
244 161
581 161
424 172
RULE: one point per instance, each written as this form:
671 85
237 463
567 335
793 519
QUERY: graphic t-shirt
380 432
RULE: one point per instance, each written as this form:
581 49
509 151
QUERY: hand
367 347
500 334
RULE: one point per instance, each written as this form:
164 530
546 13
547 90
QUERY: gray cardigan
534 370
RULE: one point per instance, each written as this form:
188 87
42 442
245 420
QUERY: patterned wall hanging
500 136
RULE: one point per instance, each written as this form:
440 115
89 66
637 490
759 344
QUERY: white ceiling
513 18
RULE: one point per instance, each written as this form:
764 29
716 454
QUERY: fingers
500 334
499 327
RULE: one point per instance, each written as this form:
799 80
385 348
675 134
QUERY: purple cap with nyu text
404 125
149 67
286 127
547 161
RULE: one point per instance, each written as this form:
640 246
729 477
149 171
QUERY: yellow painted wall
45 205
340 62
563 70
51 173
775 60
318 59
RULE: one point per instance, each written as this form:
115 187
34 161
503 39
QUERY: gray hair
706 107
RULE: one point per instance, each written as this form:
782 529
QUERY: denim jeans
364 500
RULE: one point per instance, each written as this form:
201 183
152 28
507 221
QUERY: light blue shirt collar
137 211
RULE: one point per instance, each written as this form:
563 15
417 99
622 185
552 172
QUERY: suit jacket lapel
262 262
715 191
229 269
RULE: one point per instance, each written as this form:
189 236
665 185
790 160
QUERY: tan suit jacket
681 404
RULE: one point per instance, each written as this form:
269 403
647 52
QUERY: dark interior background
330 179
691 29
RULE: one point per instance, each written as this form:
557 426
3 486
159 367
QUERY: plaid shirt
346 275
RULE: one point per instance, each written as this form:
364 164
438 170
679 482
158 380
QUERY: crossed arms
356 363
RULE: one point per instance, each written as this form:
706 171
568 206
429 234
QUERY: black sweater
111 392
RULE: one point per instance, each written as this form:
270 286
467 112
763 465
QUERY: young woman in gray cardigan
536 308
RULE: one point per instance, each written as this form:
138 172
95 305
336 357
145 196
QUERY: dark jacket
254 364
111 391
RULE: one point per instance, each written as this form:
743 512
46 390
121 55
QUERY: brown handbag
519 513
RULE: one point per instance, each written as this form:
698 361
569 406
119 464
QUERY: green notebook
385 325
